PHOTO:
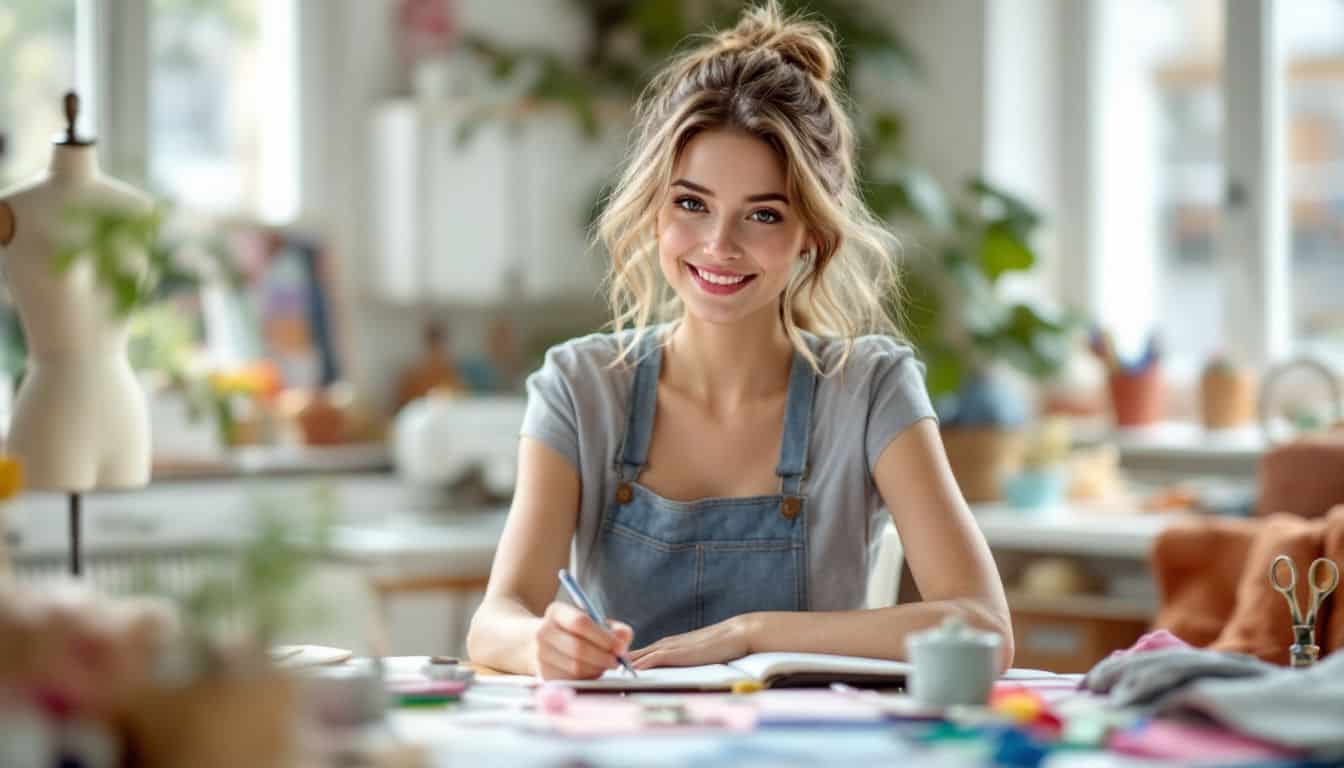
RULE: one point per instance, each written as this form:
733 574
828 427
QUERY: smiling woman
719 478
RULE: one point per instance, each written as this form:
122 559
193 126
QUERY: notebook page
763 666
718 676
709 677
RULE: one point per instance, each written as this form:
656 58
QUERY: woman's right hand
570 646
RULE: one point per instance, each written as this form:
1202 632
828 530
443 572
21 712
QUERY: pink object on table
554 699
1157 640
1166 739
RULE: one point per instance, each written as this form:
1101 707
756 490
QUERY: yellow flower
11 477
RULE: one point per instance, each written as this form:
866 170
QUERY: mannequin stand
74 535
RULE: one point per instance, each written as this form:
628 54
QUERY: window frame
113 76
1252 252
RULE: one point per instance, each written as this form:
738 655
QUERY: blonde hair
771 76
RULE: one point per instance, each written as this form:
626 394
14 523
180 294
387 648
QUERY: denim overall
667 567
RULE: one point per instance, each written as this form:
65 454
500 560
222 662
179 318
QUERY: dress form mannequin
80 421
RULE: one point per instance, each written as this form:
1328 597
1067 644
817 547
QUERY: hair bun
804 44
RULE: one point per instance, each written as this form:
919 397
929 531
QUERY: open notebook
772 670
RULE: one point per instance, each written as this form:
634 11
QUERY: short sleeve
898 396
551 416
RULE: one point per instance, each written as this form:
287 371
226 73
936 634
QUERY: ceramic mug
952 665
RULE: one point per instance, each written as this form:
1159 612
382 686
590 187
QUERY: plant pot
1137 397
1227 398
215 722
1036 488
981 457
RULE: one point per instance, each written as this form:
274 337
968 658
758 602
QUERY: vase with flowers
429 35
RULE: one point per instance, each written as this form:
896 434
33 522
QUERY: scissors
1319 589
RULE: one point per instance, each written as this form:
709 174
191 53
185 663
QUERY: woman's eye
689 204
766 216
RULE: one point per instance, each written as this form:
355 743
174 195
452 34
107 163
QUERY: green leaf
944 371
1004 205
921 312
1003 250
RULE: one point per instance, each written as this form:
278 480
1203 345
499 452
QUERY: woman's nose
721 242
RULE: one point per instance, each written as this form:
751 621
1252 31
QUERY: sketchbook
771 670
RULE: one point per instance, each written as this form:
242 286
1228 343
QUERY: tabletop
499 725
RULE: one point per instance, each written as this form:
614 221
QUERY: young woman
717 482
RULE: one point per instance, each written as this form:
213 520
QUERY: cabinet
498 216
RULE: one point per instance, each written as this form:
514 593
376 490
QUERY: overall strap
797 426
643 405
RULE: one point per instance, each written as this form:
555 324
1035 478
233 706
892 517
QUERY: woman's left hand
717 643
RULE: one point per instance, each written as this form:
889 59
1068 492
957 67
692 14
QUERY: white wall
946 109
353 43
986 107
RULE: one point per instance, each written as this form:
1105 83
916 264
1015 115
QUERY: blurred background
1122 227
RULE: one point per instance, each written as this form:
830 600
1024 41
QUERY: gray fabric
1299 708
577 406
1145 677
1302 708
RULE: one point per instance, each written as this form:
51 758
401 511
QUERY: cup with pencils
1136 387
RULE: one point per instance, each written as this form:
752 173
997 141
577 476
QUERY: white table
494 726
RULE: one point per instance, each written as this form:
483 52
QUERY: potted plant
970 335
217 698
1226 394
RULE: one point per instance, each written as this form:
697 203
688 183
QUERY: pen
572 587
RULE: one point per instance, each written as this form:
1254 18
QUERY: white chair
884 575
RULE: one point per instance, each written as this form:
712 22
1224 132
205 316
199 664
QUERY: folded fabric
1304 477
1198 592
1302 708
1261 623
1142 679
1331 635
1196 743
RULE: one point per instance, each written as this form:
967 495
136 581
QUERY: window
1159 174
208 114
1218 220
1314 131
222 105
37 65
1190 179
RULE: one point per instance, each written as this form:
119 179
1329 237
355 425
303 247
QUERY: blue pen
572 587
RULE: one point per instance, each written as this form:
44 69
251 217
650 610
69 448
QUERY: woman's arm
948 557
518 627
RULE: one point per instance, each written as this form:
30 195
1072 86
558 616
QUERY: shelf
1071 529
280 460
1084 606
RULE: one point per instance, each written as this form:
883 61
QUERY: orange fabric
1197 564
1331 634
1261 624
1304 477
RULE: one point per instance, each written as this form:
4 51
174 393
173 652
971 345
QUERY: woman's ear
810 246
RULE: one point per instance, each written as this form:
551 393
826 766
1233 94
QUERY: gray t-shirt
577 406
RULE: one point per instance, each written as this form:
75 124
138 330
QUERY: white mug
952 665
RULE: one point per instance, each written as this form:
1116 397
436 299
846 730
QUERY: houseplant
217 699
970 334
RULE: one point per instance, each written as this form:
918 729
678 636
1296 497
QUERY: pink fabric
1170 740
1156 640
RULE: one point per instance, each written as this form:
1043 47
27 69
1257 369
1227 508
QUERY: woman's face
728 236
